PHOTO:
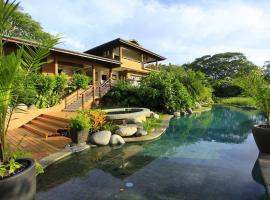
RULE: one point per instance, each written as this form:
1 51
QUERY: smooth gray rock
136 120
176 114
116 139
101 137
22 107
126 131
154 115
183 112
140 132
189 111
198 105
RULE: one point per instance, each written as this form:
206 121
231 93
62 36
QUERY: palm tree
23 62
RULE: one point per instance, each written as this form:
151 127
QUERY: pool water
207 156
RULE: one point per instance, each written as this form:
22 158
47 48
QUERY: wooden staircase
46 125
80 100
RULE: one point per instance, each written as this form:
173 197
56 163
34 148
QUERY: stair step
39 131
55 118
45 126
52 121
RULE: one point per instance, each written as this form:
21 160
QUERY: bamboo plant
21 63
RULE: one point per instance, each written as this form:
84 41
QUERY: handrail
102 89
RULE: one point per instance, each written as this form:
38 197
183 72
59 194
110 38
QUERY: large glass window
131 54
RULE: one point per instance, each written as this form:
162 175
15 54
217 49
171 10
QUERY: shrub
80 122
123 94
61 83
97 119
79 81
164 92
152 123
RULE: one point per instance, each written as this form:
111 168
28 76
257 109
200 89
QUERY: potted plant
79 128
255 86
17 176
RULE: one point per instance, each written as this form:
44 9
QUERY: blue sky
179 30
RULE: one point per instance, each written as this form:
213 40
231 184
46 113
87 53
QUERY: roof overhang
64 51
127 43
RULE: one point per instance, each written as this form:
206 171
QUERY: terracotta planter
21 186
261 136
79 137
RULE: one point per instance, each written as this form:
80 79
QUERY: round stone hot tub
126 113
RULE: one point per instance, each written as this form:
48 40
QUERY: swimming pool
208 156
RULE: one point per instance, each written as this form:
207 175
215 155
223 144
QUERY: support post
120 53
94 82
55 65
156 65
142 61
83 101
110 77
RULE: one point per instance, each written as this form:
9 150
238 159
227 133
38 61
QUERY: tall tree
222 66
22 25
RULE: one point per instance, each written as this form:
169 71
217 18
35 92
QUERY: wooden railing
104 87
88 92
74 96
100 90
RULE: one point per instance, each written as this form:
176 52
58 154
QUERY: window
131 54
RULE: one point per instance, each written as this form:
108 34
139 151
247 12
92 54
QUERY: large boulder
116 139
136 120
189 111
176 114
140 132
126 131
101 137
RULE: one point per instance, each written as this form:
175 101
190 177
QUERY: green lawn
239 101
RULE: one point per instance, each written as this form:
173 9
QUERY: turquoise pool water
207 156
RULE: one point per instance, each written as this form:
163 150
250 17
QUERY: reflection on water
205 156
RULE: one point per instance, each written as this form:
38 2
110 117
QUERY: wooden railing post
83 101
77 94
65 103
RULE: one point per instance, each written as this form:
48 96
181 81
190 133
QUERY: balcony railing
152 66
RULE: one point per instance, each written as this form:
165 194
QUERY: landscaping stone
116 139
154 115
136 120
126 131
183 112
22 107
101 137
176 114
197 105
140 132
189 111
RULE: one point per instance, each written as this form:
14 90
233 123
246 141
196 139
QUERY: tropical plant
96 117
24 61
255 86
80 122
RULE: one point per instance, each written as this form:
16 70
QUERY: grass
152 123
239 101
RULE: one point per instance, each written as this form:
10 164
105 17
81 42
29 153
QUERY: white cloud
179 31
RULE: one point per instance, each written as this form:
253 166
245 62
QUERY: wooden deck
38 146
